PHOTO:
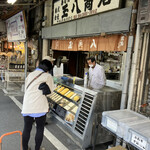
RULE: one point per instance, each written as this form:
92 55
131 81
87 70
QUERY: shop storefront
140 77
108 50
103 35
106 39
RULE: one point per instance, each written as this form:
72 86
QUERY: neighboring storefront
13 60
140 77
16 34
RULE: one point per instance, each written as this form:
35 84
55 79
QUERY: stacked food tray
132 127
117 121
68 100
139 135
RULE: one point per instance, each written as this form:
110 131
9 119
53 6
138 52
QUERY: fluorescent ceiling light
11 1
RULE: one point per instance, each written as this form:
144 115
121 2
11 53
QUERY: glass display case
79 110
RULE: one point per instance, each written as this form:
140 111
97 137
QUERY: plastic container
139 135
117 121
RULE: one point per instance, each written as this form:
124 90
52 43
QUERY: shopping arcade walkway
11 120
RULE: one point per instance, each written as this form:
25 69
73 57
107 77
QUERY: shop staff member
97 77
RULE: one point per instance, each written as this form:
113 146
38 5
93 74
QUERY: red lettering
75 16
80 15
84 14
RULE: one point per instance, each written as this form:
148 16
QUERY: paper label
111 124
138 141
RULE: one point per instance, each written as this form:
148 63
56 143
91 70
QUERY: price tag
138 141
111 124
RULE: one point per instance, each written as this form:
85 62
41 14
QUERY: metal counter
80 118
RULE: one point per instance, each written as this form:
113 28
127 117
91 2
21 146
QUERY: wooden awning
98 43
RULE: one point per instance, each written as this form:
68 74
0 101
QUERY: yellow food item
67 107
76 98
70 94
64 91
59 90
71 104
59 86
75 109
67 93
52 95
61 105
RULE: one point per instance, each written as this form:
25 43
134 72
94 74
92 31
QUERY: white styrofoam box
116 121
139 136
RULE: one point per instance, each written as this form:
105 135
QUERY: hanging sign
16 28
66 10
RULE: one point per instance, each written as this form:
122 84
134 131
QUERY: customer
97 77
38 84
52 61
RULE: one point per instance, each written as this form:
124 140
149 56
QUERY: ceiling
8 10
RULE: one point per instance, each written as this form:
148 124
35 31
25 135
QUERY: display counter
79 110
15 76
117 84
14 79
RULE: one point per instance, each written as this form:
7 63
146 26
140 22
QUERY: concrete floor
12 120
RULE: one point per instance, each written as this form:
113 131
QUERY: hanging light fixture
11 1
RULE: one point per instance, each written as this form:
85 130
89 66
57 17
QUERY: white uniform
97 78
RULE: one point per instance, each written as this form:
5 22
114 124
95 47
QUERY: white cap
49 58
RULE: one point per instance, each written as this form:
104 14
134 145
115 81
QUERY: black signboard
61 112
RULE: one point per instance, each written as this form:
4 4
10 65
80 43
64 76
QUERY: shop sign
99 43
66 10
16 28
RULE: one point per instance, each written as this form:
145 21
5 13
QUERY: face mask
91 66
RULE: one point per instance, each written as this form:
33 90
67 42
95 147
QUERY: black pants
28 121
